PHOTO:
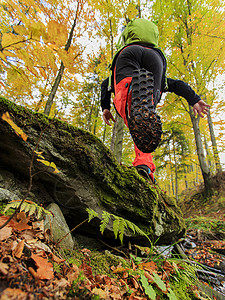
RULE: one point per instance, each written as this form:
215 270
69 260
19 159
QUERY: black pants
137 57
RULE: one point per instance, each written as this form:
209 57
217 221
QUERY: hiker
138 80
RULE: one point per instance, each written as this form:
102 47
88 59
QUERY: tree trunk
200 152
118 147
61 70
176 176
171 173
117 135
208 154
55 86
214 144
117 138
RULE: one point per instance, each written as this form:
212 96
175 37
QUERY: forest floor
31 267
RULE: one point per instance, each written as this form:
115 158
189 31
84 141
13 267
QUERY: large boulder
77 172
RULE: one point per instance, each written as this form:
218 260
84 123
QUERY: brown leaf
73 273
5 233
45 268
4 268
56 258
21 226
87 271
149 266
22 218
134 283
19 249
38 225
3 219
120 270
33 272
17 294
101 293
149 277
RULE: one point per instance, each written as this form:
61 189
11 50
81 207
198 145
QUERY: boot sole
144 124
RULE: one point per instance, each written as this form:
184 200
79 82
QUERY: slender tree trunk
118 147
200 152
104 133
214 144
55 86
112 146
171 173
61 70
96 118
207 154
176 175
90 117
117 135
185 178
117 138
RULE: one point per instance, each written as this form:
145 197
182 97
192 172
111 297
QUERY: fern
91 214
28 207
116 226
119 224
105 221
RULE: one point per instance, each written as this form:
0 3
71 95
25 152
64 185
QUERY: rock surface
58 227
74 169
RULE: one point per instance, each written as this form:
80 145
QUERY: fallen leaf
21 226
101 293
22 218
17 294
3 219
6 117
120 270
4 268
56 258
5 233
149 266
38 225
19 249
87 271
44 267
134 283
73 273
149 277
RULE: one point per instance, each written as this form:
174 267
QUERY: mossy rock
78 171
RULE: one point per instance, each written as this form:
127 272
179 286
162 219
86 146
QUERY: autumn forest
54 55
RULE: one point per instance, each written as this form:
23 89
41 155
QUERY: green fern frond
11 205
122 226
119 224
105 221
116 224
28 207
91 214
32 210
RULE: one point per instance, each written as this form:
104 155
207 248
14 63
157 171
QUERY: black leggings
137 57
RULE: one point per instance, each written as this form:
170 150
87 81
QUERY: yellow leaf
49 164
20 29
42 72
9 53
2 56
18 131
36 29
57 33
32 70
12 41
